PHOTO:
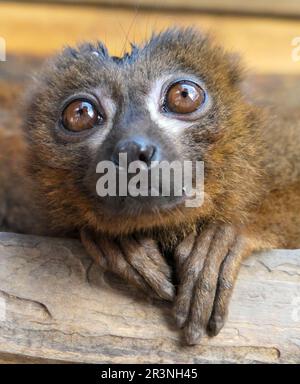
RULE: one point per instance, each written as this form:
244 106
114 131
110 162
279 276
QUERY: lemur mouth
159 190
136 206
131 207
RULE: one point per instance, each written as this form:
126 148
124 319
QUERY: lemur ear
236 70
97 49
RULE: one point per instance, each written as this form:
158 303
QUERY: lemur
177 97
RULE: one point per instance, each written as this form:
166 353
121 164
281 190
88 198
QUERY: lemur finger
153 252
189 274
92 248
118 264
108 255
228 274
205 289
183 251
137 257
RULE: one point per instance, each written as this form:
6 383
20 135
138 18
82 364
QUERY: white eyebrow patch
170 125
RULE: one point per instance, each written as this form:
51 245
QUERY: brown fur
252 178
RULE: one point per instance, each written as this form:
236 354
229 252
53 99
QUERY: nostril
147 154
135 149
143 158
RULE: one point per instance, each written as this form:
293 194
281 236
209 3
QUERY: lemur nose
136 149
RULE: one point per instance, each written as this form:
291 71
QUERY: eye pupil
184 97
83 110
80 115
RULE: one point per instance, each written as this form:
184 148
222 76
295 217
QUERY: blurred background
262 31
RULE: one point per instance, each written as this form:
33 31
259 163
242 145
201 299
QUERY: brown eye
80 115
184 97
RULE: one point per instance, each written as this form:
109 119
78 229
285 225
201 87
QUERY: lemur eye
184 97
80 115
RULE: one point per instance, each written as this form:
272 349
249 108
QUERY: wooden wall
41 29
258 7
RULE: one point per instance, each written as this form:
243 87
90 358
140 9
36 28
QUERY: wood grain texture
31 29
60 306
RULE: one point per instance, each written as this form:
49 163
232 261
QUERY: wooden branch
56 305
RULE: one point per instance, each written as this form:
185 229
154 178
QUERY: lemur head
175 98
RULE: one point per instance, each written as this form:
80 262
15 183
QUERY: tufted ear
98 49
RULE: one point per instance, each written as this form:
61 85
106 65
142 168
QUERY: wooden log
56 305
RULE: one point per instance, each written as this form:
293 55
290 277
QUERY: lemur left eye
80 115
184 97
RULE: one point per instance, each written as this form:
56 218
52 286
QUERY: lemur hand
138 261
207 267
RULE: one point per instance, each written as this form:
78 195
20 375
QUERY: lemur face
170 100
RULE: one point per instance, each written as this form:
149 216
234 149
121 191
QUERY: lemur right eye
184 97
80 115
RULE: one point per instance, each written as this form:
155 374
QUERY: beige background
40 29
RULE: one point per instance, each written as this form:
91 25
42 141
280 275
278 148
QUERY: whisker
137 8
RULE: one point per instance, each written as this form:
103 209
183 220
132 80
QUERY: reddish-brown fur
252 185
